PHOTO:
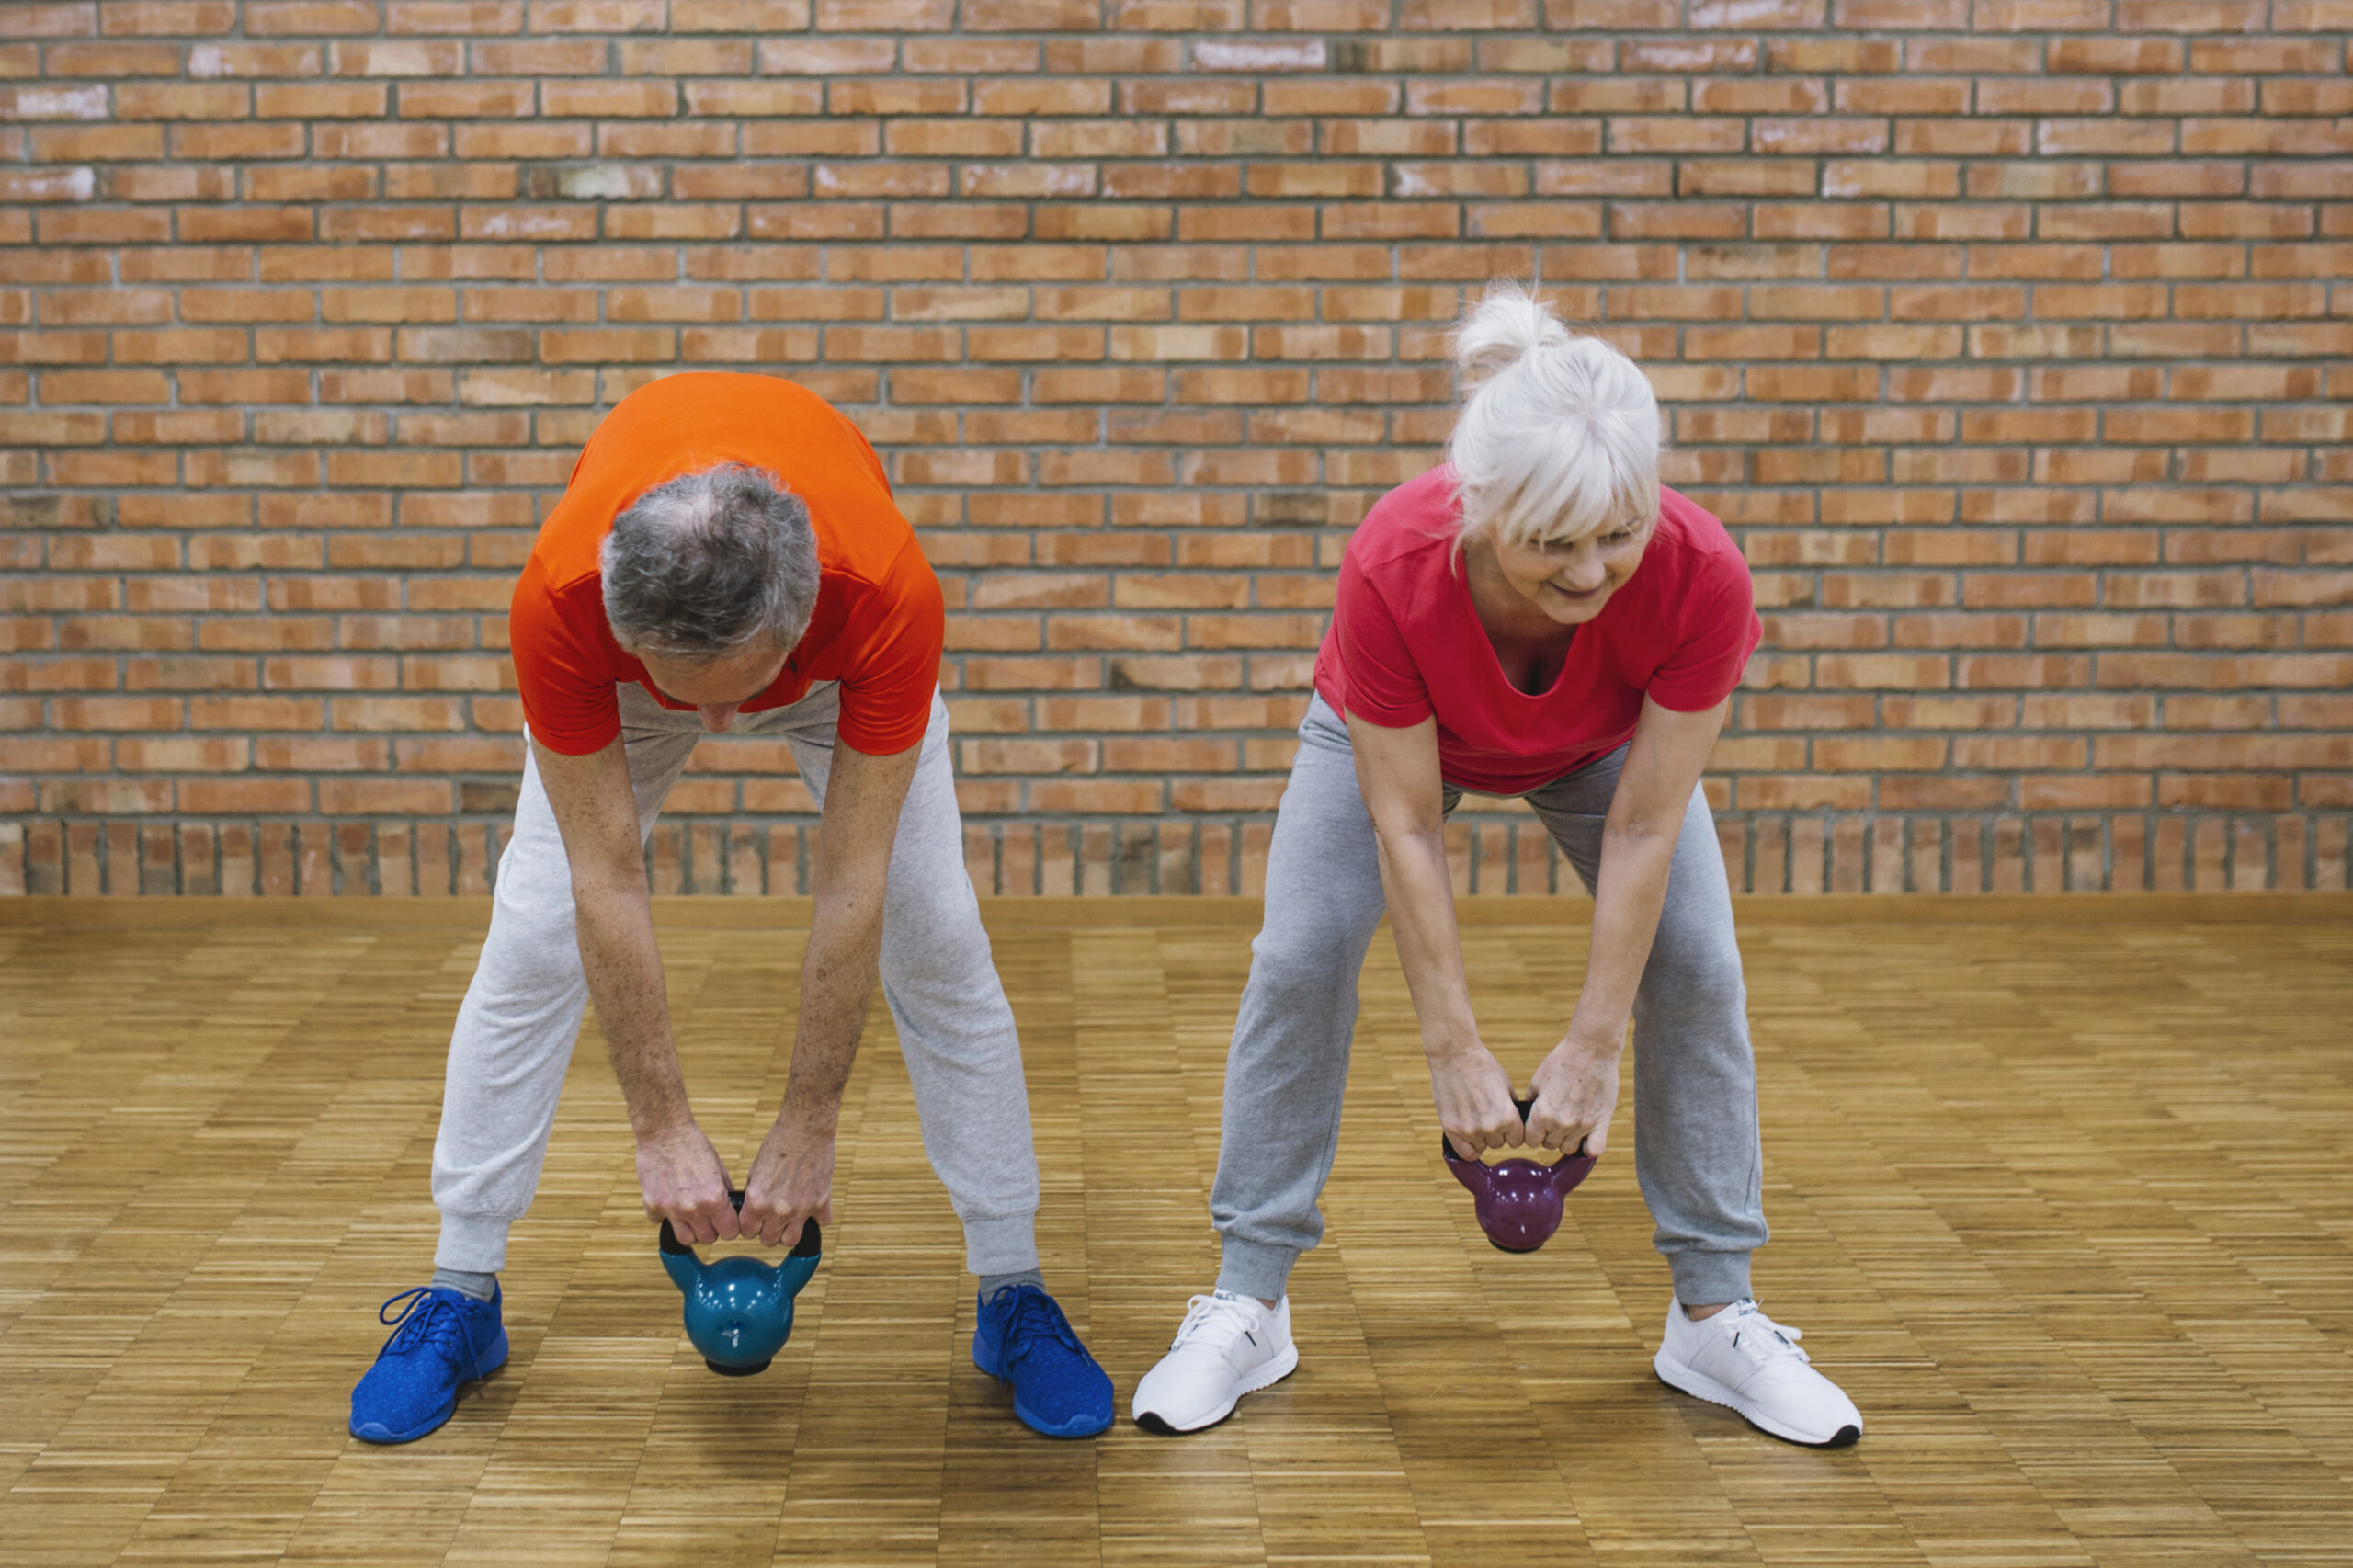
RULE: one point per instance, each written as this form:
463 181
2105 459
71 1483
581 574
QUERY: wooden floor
2062 1193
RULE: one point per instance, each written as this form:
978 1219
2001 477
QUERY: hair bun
1507 322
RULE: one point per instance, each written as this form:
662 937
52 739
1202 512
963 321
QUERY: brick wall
2011 337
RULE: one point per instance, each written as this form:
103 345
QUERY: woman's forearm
1633 888
1420 892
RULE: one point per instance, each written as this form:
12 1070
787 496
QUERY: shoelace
1203 1311
1761 1339
1035 1320
426 1318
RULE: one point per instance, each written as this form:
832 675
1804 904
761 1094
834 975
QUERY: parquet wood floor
2061 1192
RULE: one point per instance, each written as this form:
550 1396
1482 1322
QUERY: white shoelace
1758 1337
1214 1322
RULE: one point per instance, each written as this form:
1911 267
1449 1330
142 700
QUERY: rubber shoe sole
1683 1380
373 1433
1267 1376
1076 1426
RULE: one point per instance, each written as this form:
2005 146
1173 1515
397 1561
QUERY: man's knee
533 945
935 939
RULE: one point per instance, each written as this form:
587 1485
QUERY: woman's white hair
1558 437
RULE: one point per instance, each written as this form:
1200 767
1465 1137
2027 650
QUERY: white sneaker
1743 1359
1228 1346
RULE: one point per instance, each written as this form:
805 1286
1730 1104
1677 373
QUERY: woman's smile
1566 581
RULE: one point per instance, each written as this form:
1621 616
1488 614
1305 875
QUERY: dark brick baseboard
1501 853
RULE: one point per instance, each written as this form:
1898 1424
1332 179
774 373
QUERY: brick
38 103
596 16
435 18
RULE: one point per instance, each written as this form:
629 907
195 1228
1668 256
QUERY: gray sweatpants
515 1032
1696 1156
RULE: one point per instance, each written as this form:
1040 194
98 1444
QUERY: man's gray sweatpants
1695 1151
515 1029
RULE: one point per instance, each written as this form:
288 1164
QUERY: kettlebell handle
807 1247
1445 1144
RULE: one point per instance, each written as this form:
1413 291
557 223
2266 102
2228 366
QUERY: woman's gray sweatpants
515 1029
1696 1151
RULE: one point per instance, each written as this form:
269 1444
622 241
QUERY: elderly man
727 556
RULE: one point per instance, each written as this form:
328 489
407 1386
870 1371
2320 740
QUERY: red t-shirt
1405 643
879 624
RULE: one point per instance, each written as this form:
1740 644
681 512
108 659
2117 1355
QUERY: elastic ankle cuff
992 1283
474 1287
475 1244
1001 1246
1256 1268
1710 1279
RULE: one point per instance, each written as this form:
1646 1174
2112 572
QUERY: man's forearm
836 982
624 970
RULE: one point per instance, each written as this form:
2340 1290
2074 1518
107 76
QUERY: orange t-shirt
879 624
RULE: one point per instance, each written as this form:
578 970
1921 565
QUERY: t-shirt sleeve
566 688
1720 630
1384 686
874 458
888 686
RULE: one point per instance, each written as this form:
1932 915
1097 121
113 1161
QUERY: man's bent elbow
600 888
851 904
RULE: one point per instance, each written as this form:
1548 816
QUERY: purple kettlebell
1519 1201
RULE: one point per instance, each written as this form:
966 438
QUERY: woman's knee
1694 975
1314 968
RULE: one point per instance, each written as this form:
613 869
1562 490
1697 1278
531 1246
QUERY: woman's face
1570 582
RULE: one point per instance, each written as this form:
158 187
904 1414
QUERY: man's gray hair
703 566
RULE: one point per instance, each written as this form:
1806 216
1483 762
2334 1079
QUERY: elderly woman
1539 618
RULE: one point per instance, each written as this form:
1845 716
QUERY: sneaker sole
1076 1426
1683 1380
1273 1372
382 1437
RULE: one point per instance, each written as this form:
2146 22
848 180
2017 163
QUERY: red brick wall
2010 337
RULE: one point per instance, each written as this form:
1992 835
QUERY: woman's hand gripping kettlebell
1577 1094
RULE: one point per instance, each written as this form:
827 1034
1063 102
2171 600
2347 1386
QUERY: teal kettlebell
739 1309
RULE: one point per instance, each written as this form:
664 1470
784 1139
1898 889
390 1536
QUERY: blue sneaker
1057 1388
443 1338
